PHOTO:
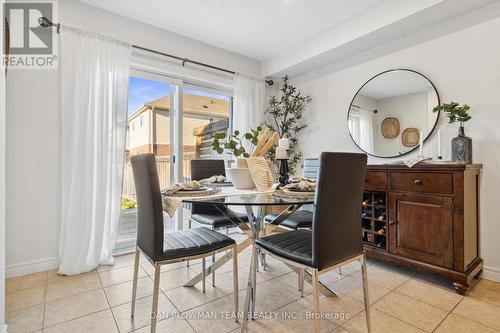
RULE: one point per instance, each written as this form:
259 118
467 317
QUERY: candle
421 144
284 143
281 153
439 143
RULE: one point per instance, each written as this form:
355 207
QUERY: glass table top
257 199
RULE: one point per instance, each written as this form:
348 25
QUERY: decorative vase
461 148
240 175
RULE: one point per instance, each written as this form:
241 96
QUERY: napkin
301 186
193 185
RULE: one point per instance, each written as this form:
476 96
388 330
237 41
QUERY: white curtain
248 108
94 73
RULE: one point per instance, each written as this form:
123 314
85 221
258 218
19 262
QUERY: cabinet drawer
422 182
376 180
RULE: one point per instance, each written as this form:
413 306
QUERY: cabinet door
421 227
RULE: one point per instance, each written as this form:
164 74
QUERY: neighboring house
149 126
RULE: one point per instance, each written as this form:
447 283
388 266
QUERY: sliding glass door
153 103
175 121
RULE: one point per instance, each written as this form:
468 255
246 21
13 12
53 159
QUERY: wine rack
374 219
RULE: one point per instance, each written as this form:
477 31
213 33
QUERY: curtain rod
45 22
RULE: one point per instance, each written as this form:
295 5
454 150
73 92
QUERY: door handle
392 222
418 182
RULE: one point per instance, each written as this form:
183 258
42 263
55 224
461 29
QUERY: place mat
285 195
201 192
171 203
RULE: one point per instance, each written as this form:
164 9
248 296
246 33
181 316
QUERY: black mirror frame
368 81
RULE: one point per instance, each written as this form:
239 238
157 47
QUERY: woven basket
410 137
390 127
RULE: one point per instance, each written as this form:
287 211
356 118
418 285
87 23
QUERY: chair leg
235 281
189 227
134 283
316 309
203 273
156 290
365 293
213 271
301 282
255 262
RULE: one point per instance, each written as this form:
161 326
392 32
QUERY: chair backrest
150 213
202 169
336 227
311 168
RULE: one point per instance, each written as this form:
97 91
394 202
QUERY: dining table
253 202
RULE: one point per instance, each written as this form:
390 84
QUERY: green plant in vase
285 116
233 144
461 146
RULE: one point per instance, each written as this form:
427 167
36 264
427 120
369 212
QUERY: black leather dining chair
335 238
162 248
206 214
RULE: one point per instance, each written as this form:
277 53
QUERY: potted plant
284 115
233 146
461 146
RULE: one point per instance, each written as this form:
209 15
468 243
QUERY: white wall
2 189
408 109
33 133
465 67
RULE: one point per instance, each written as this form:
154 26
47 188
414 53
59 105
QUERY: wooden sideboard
425 217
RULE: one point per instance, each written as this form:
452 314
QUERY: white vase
240 176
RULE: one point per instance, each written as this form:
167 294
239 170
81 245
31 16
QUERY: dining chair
302 218
162 248
209 215
335 238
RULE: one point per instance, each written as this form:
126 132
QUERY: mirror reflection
391 111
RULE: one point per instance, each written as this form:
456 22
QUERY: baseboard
29 267
490 273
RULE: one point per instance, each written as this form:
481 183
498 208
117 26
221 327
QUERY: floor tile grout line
76 318
425 302
45 300
109 304
79 317
457 314
447 315
393 316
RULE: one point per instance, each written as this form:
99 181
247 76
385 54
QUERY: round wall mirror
391 110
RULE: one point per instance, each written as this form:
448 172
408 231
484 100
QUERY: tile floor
99 301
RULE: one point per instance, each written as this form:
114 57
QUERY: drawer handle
418 182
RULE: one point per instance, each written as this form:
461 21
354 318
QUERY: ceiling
258 29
